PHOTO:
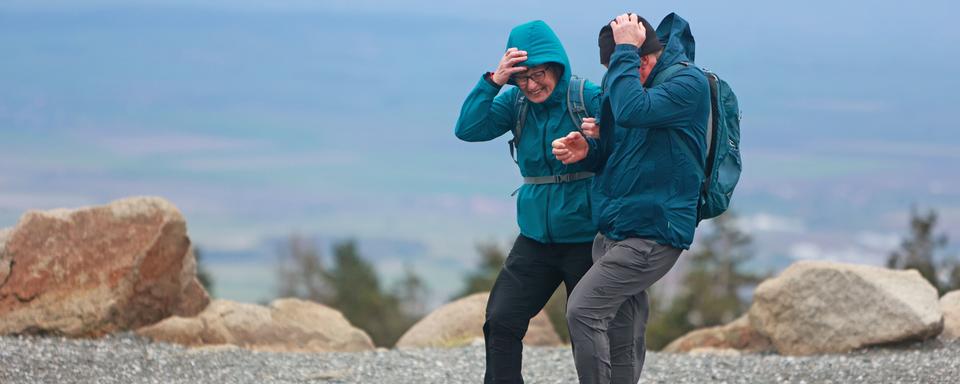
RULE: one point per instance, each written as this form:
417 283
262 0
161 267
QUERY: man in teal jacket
649 161
553 205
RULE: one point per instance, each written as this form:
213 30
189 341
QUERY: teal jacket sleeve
661 106
484 115
598 150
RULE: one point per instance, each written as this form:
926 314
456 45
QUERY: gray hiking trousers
607 311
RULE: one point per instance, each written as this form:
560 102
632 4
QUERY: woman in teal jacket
553 205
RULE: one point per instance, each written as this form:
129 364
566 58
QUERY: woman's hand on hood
508 66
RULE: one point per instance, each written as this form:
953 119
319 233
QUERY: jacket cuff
624 52
489 80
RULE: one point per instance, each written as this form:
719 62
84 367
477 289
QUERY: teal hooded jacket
548 213
651 152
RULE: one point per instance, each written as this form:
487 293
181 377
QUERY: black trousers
530 275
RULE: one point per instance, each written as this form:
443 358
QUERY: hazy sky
335 119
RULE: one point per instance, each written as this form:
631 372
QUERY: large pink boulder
96 270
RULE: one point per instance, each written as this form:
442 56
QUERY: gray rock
950 305
458 323
287 325
738 335
818 307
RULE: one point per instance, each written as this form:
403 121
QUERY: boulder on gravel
738 335
287 325
460 322
950 305
818 307
97 270
714 351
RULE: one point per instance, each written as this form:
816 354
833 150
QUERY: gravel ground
130 359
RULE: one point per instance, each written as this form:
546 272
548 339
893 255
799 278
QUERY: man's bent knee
578 316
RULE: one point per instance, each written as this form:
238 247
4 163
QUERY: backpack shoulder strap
669 72
712 120
576 105
520 106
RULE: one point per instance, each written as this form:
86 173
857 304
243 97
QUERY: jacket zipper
546 160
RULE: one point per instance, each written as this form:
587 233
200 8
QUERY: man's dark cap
650 45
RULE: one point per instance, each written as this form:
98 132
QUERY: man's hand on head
628 30
508 66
